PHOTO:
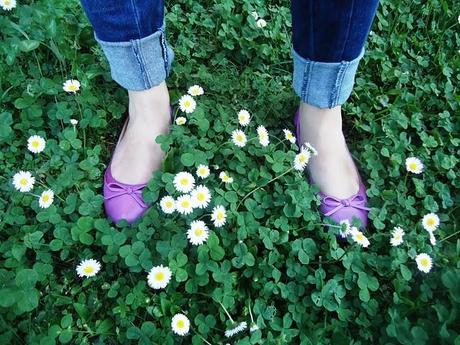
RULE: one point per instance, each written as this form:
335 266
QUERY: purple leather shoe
121 200
341 209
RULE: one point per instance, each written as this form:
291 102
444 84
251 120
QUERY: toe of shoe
351 214
123 207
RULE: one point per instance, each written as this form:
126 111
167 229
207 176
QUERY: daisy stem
451 235
255 189
81 117
250 313
226 312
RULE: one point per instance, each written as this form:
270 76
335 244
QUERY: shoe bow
357 201
120 189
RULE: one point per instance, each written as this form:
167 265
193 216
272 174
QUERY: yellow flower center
302 158
88 269
184 181
45 197
35 143
424 262
159 276
201 196
185 204
202 171
72 87
180 324
169 204
199 232
220 216
239 137
359 237
397 237
7 2
23 181
289 136
430 221
413 166
187 104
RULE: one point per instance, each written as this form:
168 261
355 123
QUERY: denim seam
338 84
138 54
306 79
136 17
165 50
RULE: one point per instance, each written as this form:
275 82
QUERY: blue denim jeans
328 43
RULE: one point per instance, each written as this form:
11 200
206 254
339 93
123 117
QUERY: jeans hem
324 84
139 64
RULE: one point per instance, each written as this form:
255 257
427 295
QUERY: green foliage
273 258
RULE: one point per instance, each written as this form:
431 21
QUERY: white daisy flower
219 216
244 117
46 199
231 332
255 15
71 86
88 268
195 90
180 324
201 196
262 133
180 120
301 159
310 148
397 236
424 262
239 138
167 204
289 136
187 104
202 171
73 122
23 181
184 182
184 204
225 178
36 144
159 277
430 222
253 328
198 232
347 231
414 165
261 23
359 237
7 5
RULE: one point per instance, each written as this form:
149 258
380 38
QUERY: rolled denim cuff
324 84
139 64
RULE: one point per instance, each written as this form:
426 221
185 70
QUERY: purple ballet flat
121 200
341 209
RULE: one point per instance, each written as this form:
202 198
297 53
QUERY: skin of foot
333 168
137 154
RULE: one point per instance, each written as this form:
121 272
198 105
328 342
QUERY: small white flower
180 120
88 268
71 86
424 262
198 232
201 196
261 23
187 104
289 136
202 171
244 117
347 231
180 324
231 332
184 204
310 148
239 138
159 277
397 236
262 133
432 238
301 159
73 122
255 15
359 237
46 199
7 5
414 165
36 144
430 222
195 90
23 181
184 182
253 328
167 204
219 216
225 178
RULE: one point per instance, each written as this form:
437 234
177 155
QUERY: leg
329 38
131 33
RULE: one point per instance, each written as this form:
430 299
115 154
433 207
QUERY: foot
137 155
333 168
